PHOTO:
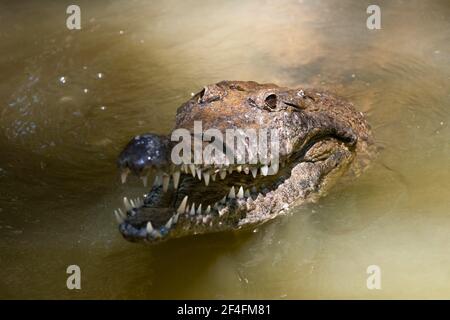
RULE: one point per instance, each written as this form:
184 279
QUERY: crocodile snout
142 153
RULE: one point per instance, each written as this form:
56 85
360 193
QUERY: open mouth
195 198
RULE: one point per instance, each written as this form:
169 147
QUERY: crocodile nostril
271 101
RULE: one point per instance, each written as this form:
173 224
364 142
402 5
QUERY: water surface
70 100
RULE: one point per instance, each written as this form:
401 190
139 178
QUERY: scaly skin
321 138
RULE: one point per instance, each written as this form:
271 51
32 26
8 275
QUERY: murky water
70 100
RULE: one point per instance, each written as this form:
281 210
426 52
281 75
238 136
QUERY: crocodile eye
271 101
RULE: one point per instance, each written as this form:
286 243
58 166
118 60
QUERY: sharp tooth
232 194
175 218
240 193
216 206
254 189
264 170
158 180
127 204
133 204
199 174
239 168
247 193
224 200
187 209
119 218
137 202
192 167
208 210
223 174
182 206
274 168
149 227
254 172
213 177
192 209
246 170
144 181
199 209
166 180
121 213
230 170
124 175
176 179
169 223
206 177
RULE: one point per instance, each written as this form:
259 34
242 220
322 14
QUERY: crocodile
321 138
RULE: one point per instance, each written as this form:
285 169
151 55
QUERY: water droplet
99 75
85 90
62 79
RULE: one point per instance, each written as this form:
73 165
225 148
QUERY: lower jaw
220 209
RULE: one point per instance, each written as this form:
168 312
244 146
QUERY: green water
59 183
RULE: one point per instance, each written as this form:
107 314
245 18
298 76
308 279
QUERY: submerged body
321 137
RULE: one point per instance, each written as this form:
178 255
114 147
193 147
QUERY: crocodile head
319 137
